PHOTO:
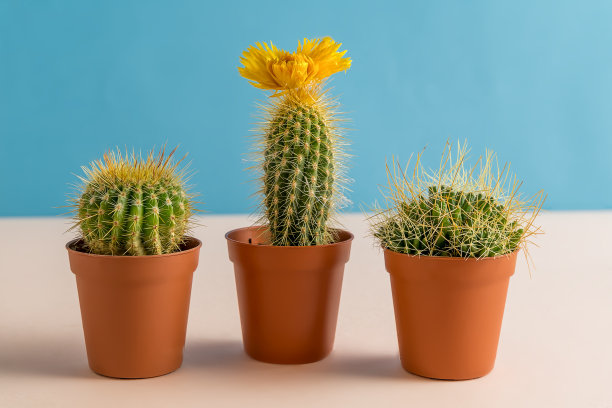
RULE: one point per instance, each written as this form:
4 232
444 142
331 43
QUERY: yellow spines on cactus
300 140
455 211
130 205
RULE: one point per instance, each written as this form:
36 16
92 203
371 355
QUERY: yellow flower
267 67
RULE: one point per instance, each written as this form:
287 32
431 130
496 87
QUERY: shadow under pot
448 312
288 296
134 309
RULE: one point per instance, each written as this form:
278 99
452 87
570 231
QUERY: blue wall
529 79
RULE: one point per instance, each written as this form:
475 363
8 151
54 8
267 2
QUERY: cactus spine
456 212
133 206
301 166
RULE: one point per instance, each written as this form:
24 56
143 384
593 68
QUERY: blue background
529 79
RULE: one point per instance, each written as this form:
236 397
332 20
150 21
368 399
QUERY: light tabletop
555 348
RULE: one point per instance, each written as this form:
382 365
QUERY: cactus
299 176
456 212
300 143
133 206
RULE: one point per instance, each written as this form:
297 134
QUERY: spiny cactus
456 212
133 206
299 143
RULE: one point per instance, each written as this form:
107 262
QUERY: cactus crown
299 145
130 205
456 211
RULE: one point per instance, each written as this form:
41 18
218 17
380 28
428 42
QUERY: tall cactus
301 160
133 206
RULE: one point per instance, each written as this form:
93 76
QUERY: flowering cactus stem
300 145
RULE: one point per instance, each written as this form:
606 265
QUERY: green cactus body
298 175
133 207
132 220
450 222
456 211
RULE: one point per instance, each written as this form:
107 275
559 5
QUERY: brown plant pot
288 296
448 312
134 309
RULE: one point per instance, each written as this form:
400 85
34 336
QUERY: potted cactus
289 267
450 240
133 263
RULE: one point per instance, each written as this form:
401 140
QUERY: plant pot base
288 360
135 376
445 376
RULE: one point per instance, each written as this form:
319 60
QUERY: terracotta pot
448 312
288 296
134 309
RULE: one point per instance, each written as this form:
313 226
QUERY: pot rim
350 238
451 258
74 241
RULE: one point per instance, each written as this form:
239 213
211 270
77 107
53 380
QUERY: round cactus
456 212
301 155
131 205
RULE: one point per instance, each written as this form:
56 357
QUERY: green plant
130 205
299 144
456 211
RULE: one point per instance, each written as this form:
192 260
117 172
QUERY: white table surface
555 348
